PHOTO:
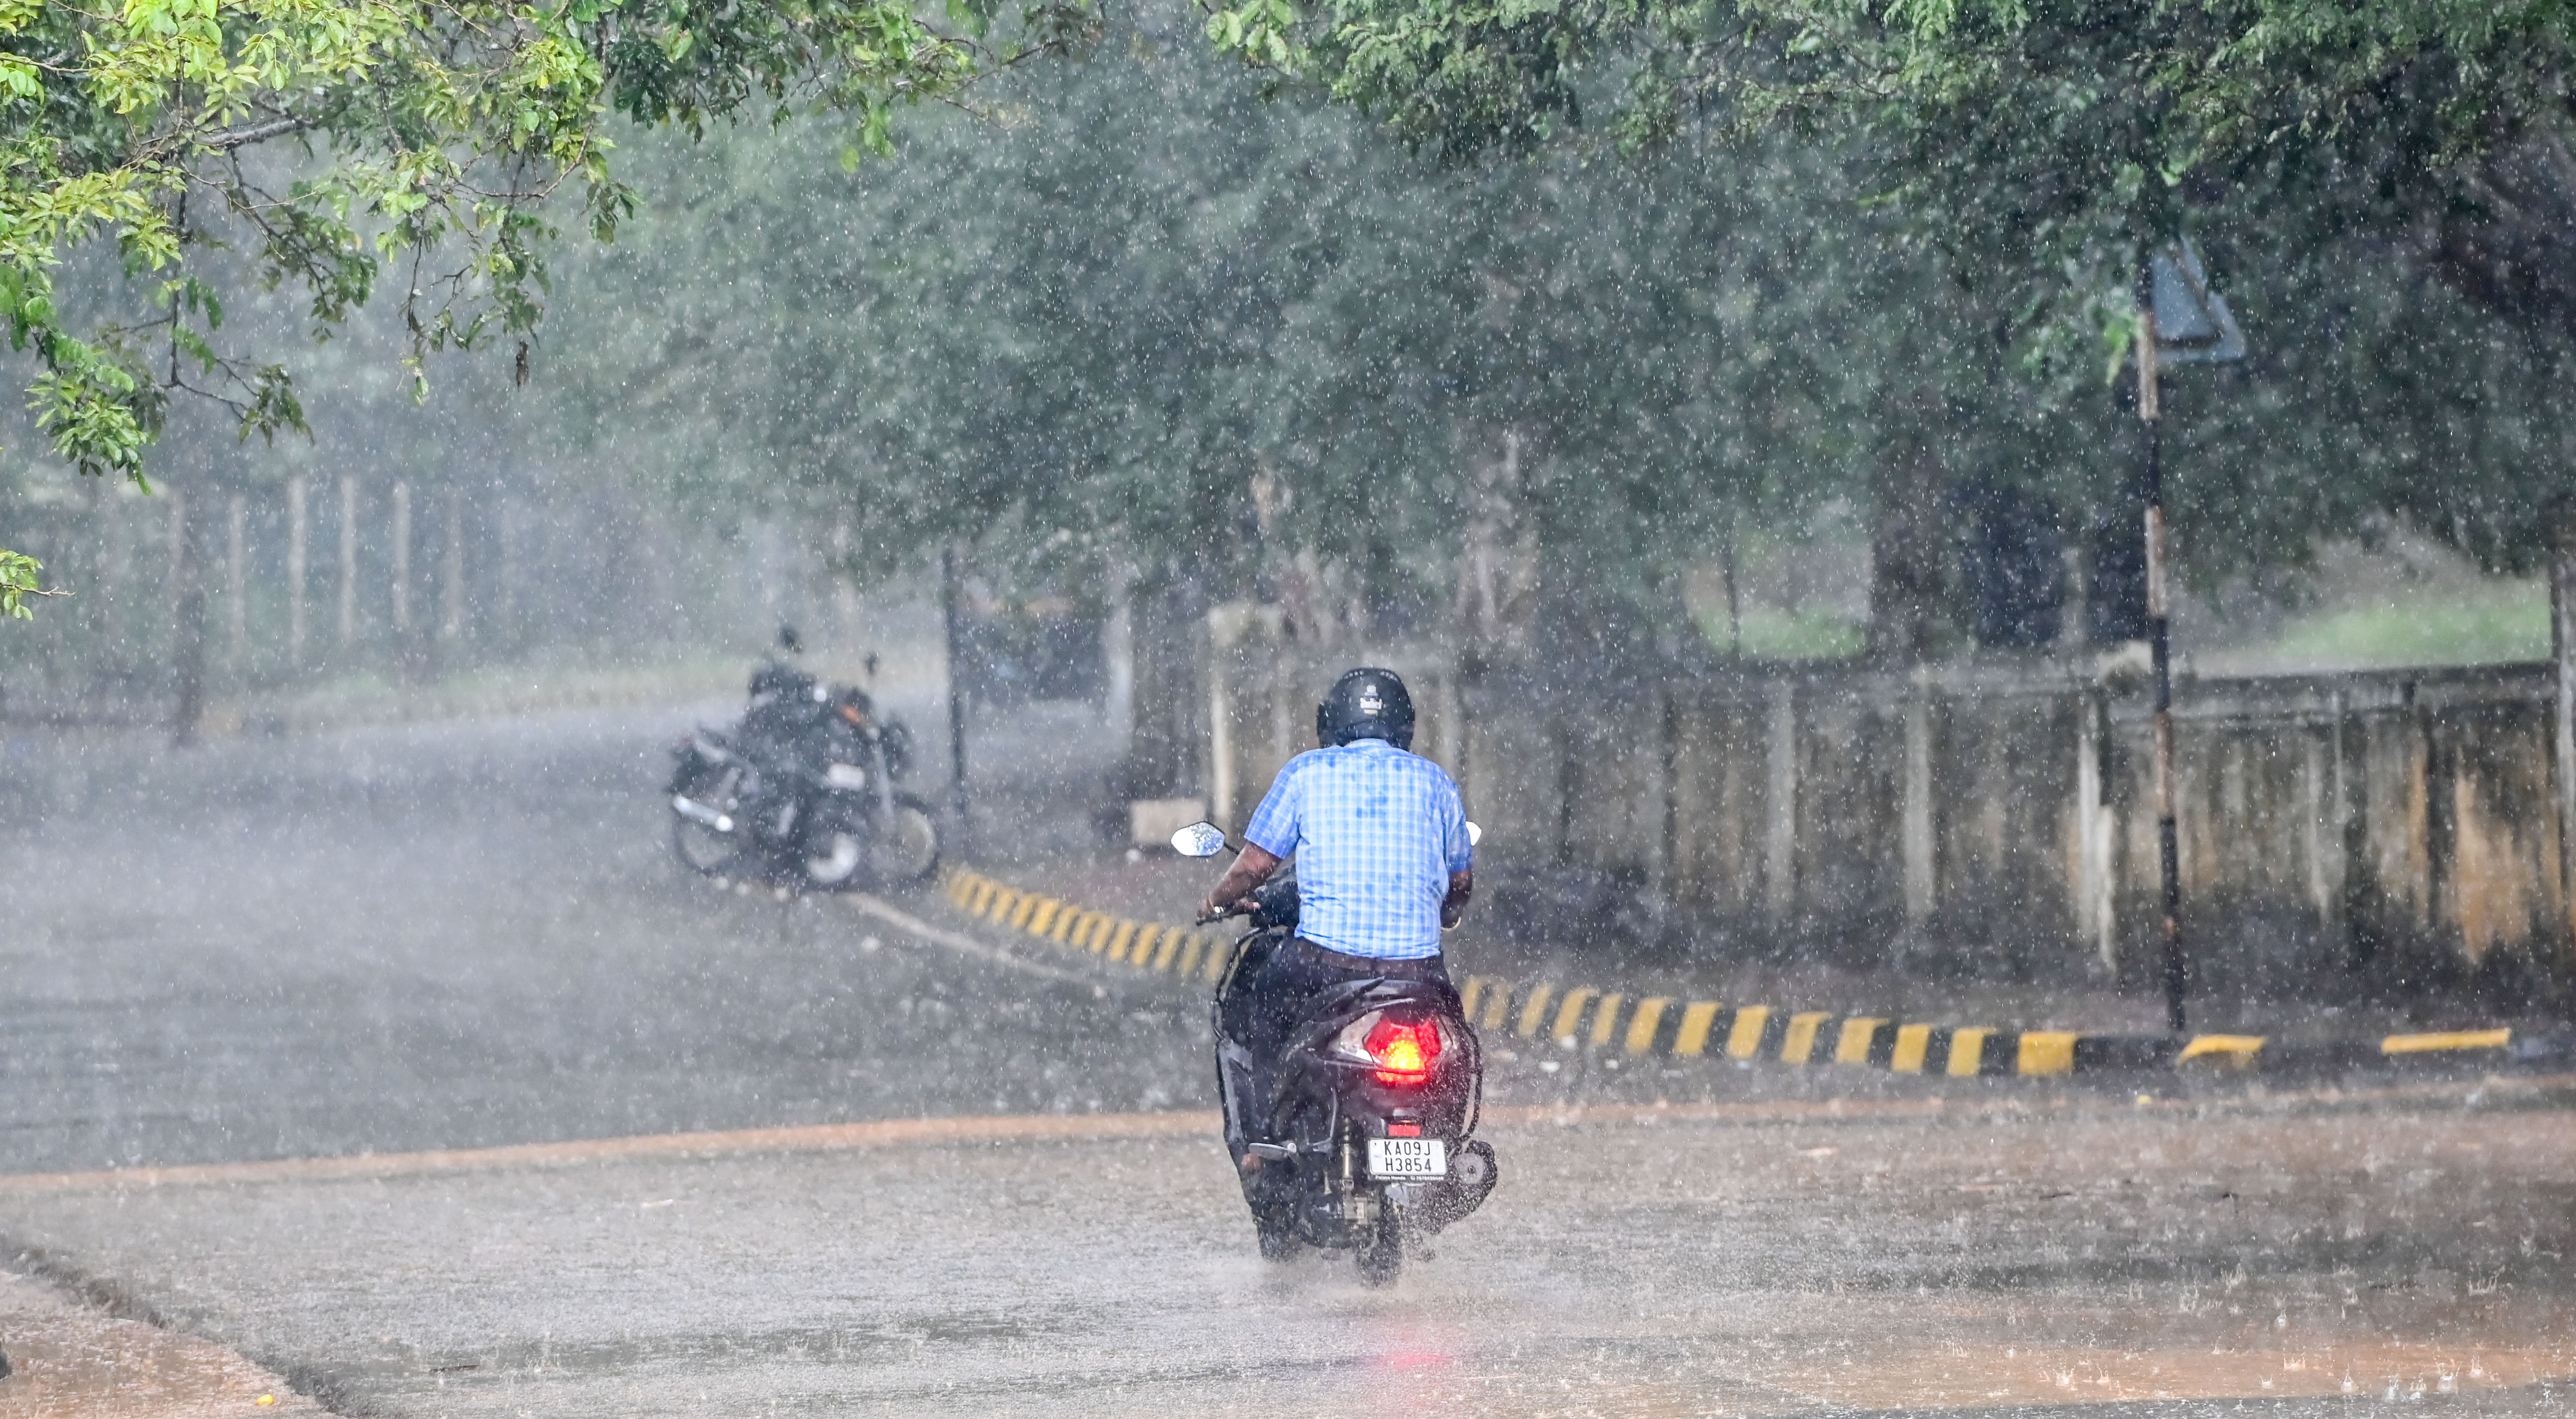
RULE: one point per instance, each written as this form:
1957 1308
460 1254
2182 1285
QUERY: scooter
1358 1136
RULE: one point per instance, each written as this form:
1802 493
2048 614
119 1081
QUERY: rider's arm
1277 820
1249 871
1462 885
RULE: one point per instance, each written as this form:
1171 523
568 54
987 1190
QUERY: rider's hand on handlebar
1209 911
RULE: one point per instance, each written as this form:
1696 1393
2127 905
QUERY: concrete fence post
348 589
402 564
1922 881
299 535
236 581
451 571
1780 842
174 570
2096 831
189 550
2328 828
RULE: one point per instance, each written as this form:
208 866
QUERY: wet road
386 943
2291 1257
471 934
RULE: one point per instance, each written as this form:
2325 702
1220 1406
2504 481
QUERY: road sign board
2193 323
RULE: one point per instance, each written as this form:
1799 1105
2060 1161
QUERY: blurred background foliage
1154 315
1149 321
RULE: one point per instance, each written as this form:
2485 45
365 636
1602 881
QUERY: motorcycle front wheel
907 848
702 849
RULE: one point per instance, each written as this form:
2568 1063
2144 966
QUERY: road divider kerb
1603 1021
1137 945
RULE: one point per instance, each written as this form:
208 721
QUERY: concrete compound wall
2375 833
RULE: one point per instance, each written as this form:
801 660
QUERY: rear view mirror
1475 834
1199 839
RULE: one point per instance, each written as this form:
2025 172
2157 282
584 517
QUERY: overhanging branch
258 133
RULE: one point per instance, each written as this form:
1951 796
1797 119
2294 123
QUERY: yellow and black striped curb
1681 1028
1139 945
1676 1027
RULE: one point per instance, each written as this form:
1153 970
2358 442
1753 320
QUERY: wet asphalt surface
462 935
449 937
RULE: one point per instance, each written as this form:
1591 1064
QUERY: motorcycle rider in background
1384 864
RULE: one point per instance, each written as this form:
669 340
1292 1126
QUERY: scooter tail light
1352 1043
1403 1053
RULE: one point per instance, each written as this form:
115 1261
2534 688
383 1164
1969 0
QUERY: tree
1099 336
2045 147
18 581
323 143
2077 128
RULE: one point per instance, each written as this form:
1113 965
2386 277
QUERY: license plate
1408 1158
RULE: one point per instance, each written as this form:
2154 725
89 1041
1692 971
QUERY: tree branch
258 133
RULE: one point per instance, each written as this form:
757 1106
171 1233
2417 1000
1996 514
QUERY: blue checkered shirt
1376 832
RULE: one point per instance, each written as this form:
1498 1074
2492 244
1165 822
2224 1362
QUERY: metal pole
950 592
2561 525
2160 646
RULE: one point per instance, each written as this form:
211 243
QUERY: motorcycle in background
802 791
1358 1137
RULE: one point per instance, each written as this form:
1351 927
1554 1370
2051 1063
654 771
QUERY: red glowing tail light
1403 1052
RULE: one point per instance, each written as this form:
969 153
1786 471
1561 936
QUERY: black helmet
1366 704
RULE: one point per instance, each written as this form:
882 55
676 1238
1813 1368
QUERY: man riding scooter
1384 862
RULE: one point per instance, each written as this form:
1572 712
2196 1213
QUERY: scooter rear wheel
1381 1257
